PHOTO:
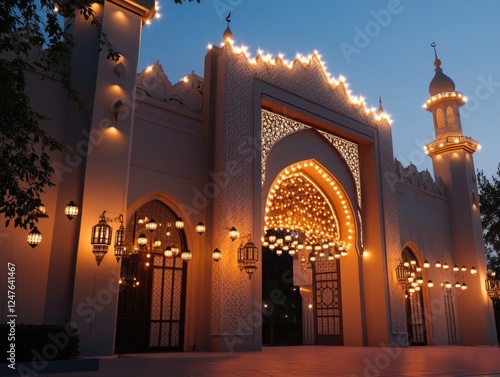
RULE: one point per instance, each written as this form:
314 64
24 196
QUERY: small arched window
450 116
440 118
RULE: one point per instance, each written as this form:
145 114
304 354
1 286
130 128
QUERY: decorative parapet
443 97
450 143
187 93
422 179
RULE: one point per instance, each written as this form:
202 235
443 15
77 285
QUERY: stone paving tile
452 361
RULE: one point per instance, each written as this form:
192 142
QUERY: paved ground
307 361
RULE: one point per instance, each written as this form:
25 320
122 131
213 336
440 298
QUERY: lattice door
327 302
167 309
416 320
151 302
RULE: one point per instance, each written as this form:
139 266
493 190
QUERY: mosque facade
182 187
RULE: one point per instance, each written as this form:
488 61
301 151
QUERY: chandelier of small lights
411 276
300 219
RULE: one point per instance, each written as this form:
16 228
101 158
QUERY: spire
440 83
228 34
380 108
437 62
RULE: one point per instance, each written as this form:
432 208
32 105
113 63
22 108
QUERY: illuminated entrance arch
309 216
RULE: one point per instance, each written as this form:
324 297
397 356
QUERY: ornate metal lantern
233 233
120 240
71 210
248 256
101 238
402 273
216 255
34 237
200 228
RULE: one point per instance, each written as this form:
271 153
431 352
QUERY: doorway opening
303 243
151 302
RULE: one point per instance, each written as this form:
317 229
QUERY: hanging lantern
142 240
34 237
233 233
175 250
71 210
120 240
430 284
216 255
426 264
186 255
101 238
248 255
151 225
157 243
200 228
473 270
168 252
403 275
179 224
40 211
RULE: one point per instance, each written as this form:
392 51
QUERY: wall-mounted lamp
101 238
233 233
200 228
40 211
248 256
216 255
117 107
120 240
71 210
34 237
120 69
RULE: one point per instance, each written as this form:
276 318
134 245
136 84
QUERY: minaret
452 160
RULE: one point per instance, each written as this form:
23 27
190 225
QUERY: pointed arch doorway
415 313
151 302
302 219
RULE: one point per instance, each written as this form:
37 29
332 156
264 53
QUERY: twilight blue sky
382 47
